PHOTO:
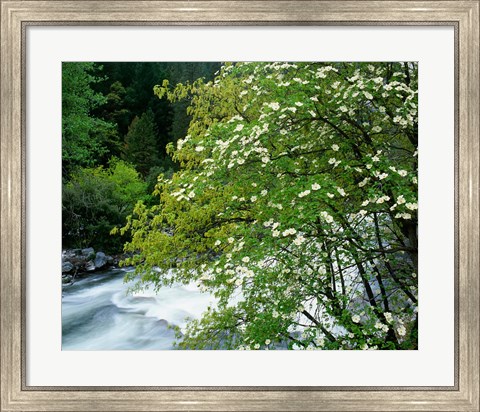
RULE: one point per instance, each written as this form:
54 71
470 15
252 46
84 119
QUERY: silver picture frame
16 16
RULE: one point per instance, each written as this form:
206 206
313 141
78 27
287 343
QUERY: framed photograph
252 205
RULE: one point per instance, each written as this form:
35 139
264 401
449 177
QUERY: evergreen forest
114 137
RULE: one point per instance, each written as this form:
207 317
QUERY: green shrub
95 200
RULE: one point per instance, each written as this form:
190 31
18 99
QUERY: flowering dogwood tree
295 206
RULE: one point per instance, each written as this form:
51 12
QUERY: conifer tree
140 143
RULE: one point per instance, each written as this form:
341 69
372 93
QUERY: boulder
67 267
83 261
89 266
88 252
100 260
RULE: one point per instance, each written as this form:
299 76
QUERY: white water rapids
98 314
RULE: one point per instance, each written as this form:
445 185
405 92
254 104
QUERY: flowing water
98 314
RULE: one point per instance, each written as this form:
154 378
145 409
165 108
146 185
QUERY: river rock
67 267
83 261
87 252
90 266
100 260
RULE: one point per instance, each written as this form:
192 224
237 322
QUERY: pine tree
140 143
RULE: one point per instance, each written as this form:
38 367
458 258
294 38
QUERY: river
98 314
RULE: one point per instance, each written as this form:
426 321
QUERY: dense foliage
96 199
84 137
295 205
110 110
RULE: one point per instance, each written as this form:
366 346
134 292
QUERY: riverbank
81 262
